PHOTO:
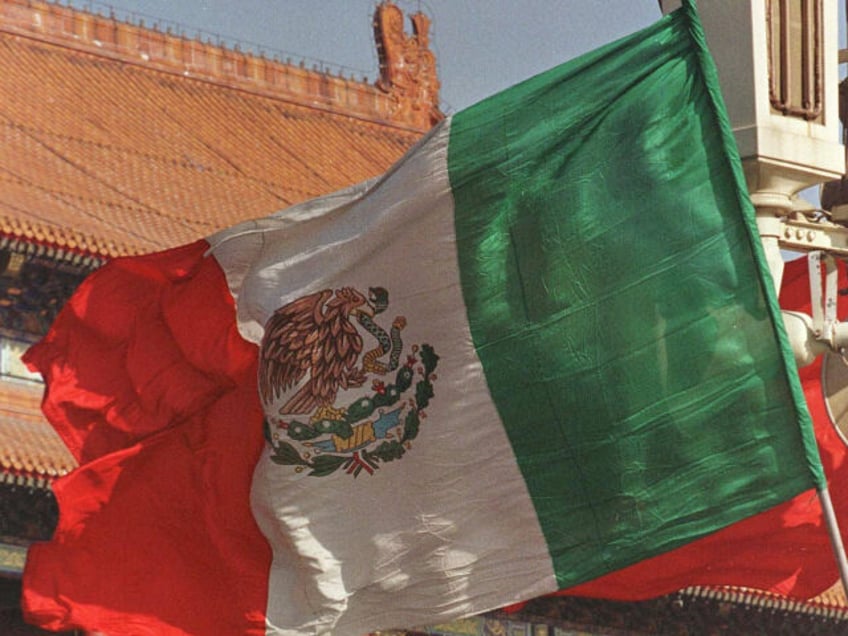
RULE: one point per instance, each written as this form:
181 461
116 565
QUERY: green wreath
361 459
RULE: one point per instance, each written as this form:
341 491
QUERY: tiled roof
116 139
113 155
833 596
31 452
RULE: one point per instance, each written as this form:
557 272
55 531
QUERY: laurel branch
367 459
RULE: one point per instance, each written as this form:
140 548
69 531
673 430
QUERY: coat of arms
314 370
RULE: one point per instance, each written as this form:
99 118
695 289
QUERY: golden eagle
314 334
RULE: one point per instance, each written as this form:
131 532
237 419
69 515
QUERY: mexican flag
542 348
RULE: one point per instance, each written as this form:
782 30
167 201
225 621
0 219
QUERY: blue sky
482 46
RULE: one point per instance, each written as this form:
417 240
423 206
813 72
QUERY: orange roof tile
29 449
113 155
833 596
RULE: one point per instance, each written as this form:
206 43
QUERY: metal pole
835 536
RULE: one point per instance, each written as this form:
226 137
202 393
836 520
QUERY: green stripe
618 307
710 77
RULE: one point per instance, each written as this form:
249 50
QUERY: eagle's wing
335 354
288 349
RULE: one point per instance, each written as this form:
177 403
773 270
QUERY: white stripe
448 529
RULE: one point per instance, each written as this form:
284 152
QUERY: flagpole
835 535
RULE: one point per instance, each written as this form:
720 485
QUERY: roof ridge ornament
407 65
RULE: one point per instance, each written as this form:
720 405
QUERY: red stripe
785 550
154 392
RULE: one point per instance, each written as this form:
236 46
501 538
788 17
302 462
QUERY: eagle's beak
367 309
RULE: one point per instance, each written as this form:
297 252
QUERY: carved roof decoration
118 139
109 37
407 65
